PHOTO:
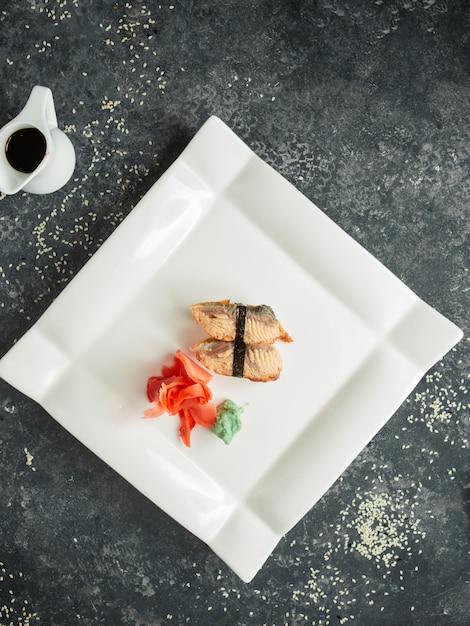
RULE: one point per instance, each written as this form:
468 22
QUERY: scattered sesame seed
29 459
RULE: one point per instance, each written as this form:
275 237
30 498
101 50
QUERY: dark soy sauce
25 149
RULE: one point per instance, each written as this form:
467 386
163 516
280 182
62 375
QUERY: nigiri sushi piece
261 362
220 322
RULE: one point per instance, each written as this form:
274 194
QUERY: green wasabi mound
228 422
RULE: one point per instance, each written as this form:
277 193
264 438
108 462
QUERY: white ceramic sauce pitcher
35 155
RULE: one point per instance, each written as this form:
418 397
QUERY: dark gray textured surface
364 106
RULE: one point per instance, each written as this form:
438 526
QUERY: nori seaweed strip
239 343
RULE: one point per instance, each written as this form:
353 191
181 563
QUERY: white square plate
221 223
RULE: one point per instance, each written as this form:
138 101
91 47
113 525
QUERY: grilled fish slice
220 322
262 362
